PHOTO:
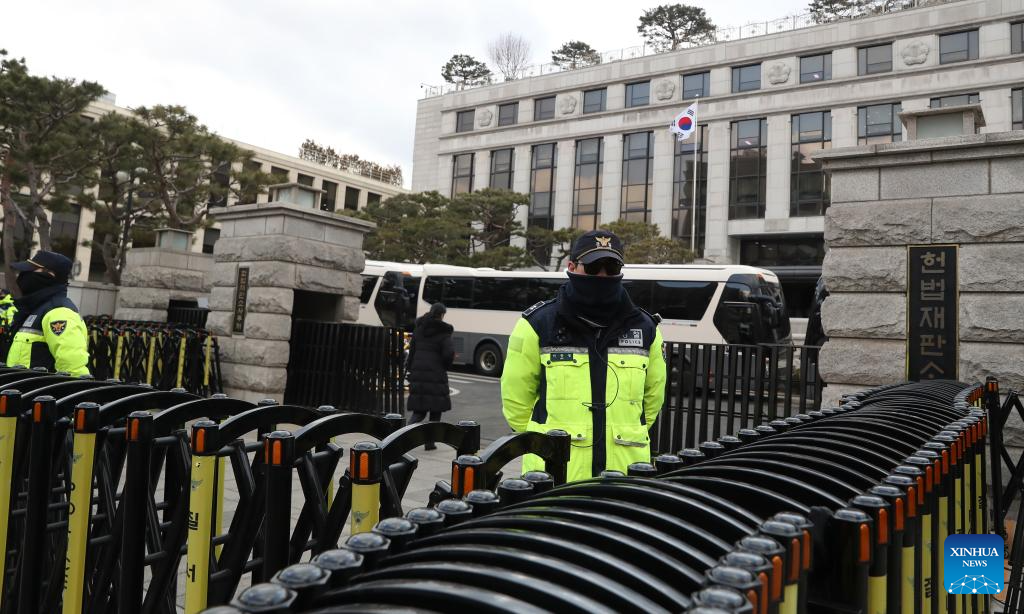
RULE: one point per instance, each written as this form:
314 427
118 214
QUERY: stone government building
592 145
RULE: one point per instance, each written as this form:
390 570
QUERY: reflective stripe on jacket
604 391
59 341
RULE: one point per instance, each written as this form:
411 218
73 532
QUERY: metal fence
350 366
192 316
789 23
715 390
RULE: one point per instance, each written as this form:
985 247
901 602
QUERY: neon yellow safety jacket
604 389
52 335
7 310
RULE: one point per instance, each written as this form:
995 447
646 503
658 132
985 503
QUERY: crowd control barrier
163 355
840 510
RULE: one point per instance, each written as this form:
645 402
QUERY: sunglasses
610 266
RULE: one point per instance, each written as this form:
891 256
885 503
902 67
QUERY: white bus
698 303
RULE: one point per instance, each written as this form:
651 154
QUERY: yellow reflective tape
943 534
206 365
958 521
790 599
84 448
926 562
149 360
181 360
117 357
966 501
8 429
200 533
365 507
979 525
877 594
909 582
219 510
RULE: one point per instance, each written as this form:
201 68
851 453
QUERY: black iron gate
714 390
350 366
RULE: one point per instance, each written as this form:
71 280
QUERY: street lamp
128 177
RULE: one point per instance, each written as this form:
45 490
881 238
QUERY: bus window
396 300
369 282
640 292
682 300
499 293
773 321
454 292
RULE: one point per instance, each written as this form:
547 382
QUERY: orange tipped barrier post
279 454
367 471
139 436
10 407
201 512
86 417
32 568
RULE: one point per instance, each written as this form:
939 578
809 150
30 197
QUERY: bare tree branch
510 53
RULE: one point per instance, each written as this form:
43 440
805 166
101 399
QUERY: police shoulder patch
654 316
58 326
535 307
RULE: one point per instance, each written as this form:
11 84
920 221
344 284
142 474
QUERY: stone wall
154 276
285 249
966 190
93 298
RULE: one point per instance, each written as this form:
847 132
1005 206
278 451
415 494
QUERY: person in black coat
430 355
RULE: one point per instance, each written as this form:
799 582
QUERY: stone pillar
779 169
564 175
288 258
963 190
521 184
717 228
153 276
664 167
481 170
611 180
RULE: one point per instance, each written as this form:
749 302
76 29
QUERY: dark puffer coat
430 355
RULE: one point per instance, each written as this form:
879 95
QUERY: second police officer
48 332
588 362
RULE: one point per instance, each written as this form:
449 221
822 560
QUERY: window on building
462 173
372 199
586 187
501 169
508 114
210 236
809 185
544 108
697 85
958 47
464 121
637 172
305 180
879 123
638 94
542 186
221 182
1017 108
954 101
594 100
683 184
351 198
1017 37
816 68
747 172
329 197
249 192
278 174
746 78
769 252
876 59
64 231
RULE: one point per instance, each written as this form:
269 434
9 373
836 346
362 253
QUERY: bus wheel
488 360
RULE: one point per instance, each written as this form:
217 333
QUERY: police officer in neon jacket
48 330
588 362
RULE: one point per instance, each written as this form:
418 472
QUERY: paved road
475 397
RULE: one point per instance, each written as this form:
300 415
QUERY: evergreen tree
668 26
575 54
463 70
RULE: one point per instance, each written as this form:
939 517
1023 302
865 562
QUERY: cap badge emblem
603 241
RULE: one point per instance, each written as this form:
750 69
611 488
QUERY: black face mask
34 281
597 298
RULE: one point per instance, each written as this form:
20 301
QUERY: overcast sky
346 74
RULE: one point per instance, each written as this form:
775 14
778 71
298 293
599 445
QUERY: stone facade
917 76
285 249
964 190
154 276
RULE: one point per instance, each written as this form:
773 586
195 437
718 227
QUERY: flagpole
693 203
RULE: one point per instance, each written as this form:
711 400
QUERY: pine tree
668 26
575 54
463 70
